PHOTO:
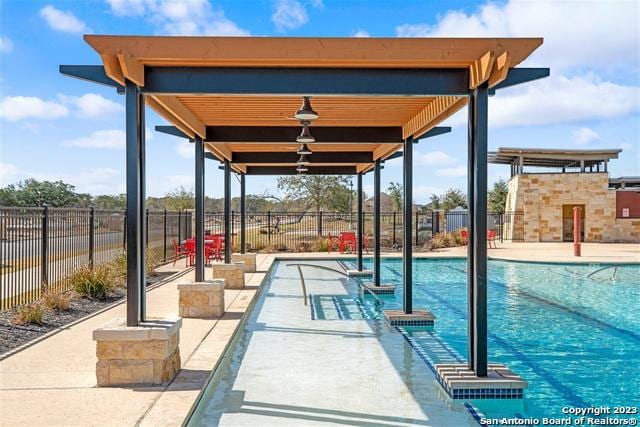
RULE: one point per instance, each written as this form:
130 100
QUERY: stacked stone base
248 259
461 383
202 299
416 318
233 274
147 354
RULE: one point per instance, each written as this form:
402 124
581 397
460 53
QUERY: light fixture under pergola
304 149
305 136
306 112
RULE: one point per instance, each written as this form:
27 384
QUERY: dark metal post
417 228
480 229
394 229
179 227
164 251
319 224
144 230
135 269
92 218
199 196
360 222
269 227
227 212
124 232
44 248
376 223
471 201
243 215
407 250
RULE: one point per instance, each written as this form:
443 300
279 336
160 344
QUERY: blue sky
54 127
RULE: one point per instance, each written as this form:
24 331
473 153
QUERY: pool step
383 289
359 273
461 383
415 318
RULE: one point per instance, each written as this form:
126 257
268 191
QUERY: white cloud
185 150
584 136
453 172
92 180
361 34
576 34
558 99
175 181
61 20
422 193
7 173
6 45
14 108
110 139
93 106
436 158
180 17
626 146
288 15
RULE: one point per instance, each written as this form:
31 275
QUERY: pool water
571 331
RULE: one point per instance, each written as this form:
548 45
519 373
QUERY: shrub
56 301
443 240
93 283
321 245
304 247
152 260
119 265
30 314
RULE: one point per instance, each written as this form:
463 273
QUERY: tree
313 191
38 193
434 202
453 198
395 192
497 197
107 201
179 198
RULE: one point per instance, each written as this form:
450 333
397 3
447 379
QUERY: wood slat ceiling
279 111
316 146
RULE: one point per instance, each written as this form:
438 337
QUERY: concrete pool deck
57 374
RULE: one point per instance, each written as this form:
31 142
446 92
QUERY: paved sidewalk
53 382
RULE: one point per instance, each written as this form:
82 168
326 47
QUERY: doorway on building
567 222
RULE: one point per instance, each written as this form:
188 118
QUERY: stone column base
462 383
147 354
249 260
359 273
233 275
202 299
383 289
416 318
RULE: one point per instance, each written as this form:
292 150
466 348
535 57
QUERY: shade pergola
235 99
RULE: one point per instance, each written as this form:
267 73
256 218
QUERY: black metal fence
41 247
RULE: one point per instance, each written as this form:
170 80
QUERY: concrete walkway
53 382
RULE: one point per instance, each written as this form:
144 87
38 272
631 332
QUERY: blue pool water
571 331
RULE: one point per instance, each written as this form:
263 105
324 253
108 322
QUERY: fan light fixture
305 136
303 160
306 112
304 149
302 169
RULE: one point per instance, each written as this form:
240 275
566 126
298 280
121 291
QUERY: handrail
322 267
304 286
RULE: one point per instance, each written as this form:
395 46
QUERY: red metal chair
464 235
491 237
332 241
190 248
215 246
347 241
179 250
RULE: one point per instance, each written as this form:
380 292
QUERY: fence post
417 229
44 247
233 222
394 229
269 227
179 227
501 216
319 220
146 228
92 217
164 239
124 230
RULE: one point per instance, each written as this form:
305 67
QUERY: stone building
547 184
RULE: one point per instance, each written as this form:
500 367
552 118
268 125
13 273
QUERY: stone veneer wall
627 230
541 196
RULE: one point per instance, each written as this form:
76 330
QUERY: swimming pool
571 331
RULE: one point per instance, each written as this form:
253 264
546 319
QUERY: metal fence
41 247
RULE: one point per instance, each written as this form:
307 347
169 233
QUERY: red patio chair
215 247
331 242
464 235
190 248
347 240
179 250
491 237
